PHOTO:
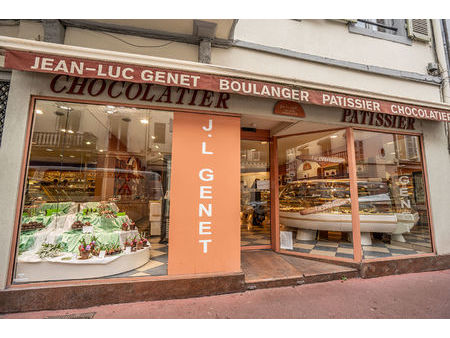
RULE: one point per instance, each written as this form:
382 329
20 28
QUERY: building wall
109 41
438 167
331 39
11 155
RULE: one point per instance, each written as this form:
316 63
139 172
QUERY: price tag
128 250
102 254
286 241
88 229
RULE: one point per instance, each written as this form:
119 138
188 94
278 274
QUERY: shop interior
96 193
255 193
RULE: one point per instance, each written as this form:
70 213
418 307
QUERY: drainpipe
443 66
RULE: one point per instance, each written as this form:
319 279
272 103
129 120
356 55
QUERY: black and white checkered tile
156 266
255 235
343 249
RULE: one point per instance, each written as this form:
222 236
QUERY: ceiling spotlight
110 107
333 136
63 130
70 131
88 142
110 111
156 146
48 149
40 112
101 150
264 142
159 154
64 107
72 156
153 137
144 121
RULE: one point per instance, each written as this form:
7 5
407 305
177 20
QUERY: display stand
52 269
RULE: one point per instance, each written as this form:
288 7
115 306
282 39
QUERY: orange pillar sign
204 231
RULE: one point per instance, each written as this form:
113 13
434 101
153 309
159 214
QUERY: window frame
400 37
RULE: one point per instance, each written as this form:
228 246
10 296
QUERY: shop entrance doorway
255 191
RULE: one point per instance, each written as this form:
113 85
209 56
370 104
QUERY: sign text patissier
142 74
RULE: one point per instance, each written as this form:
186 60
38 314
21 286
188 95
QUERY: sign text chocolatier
87 68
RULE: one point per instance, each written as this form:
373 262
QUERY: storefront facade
131 172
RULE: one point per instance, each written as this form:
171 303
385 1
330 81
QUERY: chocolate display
32 226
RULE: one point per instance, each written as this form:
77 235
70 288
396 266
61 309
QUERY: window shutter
419 29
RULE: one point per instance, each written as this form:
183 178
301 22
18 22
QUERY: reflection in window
392 165
96 193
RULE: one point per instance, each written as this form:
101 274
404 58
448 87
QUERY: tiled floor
417 241
255 235
157 266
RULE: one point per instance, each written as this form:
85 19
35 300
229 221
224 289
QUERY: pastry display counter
313 205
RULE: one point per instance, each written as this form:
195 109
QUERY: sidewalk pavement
417 295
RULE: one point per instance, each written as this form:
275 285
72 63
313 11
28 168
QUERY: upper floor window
388 29
389 26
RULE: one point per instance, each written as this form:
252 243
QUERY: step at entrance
266 269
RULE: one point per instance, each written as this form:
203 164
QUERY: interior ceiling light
64 107
72 156
40 112
101 150
153 137
144 121
110 107
70 131
264 142
48 149
333 136
156 146
63 130
88 142
110 111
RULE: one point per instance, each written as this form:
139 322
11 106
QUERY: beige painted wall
11 151
438 169
332 39
100 40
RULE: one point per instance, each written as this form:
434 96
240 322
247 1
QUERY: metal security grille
4 89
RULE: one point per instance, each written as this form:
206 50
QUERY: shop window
314 205
392 197
96 202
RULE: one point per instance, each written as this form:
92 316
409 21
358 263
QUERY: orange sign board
204 231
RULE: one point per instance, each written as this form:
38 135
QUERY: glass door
255 194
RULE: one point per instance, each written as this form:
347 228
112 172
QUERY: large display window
315 200
96 197
394 194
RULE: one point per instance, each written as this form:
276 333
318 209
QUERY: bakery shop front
133 172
